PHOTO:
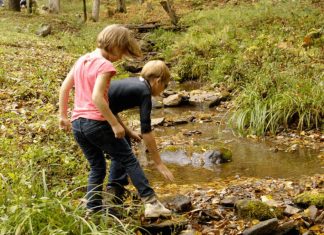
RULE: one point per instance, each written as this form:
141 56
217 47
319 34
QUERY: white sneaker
155 209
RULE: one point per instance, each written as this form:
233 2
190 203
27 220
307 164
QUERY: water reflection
250 158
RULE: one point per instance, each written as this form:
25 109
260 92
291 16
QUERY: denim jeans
97 137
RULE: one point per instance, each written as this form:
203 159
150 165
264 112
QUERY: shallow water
250 158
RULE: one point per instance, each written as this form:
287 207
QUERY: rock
287 228
146 46
132 66
157 121
180 121
269 201
291 210
206 98
197 160
167 93
215 157
267 227
173 226
156 104
190 133
178 203
178 157
311 212
44 30
228 201
320 218
254 209
172 100
310 198
224 96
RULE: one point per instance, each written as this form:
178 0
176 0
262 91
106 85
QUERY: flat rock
178 157
267 227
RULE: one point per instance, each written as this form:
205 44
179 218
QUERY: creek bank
214 210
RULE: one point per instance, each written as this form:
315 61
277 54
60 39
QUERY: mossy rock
310 198
254 209
227 154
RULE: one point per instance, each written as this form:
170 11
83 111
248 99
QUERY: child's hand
165 171
65 124
119 131
135 136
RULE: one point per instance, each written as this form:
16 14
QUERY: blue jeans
95 138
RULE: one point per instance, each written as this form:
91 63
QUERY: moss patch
310 198
253 209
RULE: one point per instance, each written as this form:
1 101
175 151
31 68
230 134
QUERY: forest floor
43 171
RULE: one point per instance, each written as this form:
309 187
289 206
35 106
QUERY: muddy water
250 158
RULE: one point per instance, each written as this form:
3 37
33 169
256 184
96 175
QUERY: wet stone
178 157
157 121
267 227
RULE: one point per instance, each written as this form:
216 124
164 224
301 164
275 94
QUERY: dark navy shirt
129 93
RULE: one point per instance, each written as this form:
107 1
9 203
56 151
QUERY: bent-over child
137 92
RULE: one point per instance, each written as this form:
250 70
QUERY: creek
251 158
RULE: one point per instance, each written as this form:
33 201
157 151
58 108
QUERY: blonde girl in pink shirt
95 128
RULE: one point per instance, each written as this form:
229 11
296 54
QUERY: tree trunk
14 5
85 17
29 6
168 8
54 6
95 10
121 6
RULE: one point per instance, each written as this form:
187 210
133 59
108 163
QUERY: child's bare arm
150 143
98 97
132 134
65 89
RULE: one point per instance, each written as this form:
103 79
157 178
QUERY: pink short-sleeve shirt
85 72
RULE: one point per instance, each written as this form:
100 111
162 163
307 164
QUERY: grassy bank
270 52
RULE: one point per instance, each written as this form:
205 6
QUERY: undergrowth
271 52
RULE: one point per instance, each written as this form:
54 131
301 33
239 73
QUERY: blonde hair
117 37
155 69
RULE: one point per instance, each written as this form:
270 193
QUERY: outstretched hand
135 136
165 171
65 124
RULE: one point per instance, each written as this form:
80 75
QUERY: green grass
258 49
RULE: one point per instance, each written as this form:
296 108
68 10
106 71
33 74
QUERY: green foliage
270 55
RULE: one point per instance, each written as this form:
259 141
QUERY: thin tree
14 5
167 6
85 17
121 6
54 6
29 6
95 10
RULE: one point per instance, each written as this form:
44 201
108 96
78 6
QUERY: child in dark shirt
137 92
